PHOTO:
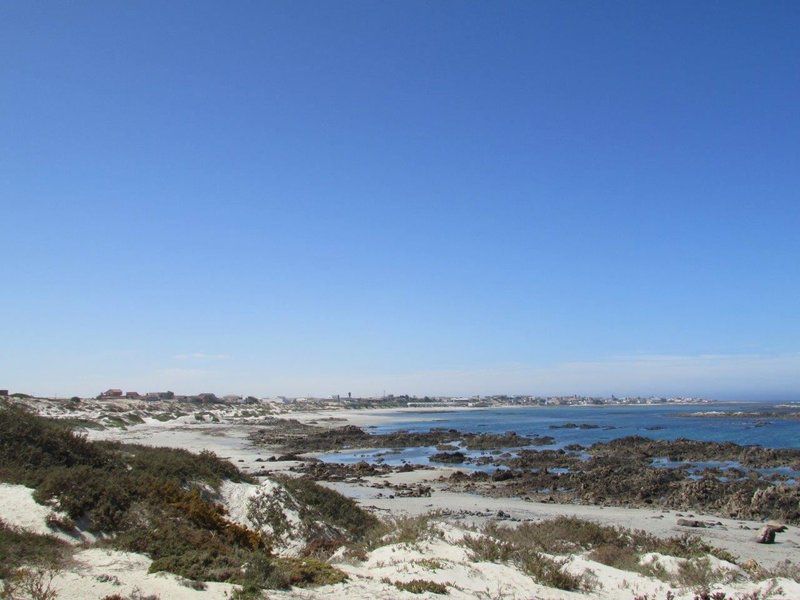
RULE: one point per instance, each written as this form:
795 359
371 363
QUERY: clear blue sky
445 197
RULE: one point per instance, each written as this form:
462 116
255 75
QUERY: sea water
661 421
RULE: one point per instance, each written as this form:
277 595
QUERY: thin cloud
201 356
710 375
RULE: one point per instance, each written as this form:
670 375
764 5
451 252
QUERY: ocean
666 421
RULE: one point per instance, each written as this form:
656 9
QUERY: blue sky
425 197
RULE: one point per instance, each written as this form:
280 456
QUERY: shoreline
230 441
370 417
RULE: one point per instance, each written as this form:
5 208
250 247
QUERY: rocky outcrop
320 471
448 457
767 533
615 475
294 437
690 523
641 448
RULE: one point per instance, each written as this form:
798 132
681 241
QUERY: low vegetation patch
395 530
698 573
167 416
614 546
29 584
431 564
528 545
136 594
545 570
419 586
157 501
20 548
785 569
571 534
320 503
282 573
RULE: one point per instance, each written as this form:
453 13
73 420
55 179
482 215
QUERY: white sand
18 509
98 573
21 510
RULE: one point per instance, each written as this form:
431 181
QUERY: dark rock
690 523
502 475
449 457
767 533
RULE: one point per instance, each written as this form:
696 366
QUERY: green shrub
411 530
134 419
33 584
616 556
316 502
77 423
394 530
97 482
213 563
156 501
522 553
550 572
420 586
698 573
488 548
614 546
31 445
431 564
563 535
303 572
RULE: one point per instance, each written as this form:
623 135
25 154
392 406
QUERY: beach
231 441
232 433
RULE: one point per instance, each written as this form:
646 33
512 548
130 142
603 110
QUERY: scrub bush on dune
161 502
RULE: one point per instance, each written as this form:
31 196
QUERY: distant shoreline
366 417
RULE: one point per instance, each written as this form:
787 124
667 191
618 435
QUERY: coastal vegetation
156 501
20 548
531 546
419 586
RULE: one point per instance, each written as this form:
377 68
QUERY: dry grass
500 545
698 574
29 584
20 548
785 569
395 530
528 546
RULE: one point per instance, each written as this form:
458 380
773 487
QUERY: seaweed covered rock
449 457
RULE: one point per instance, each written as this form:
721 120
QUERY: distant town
338 401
